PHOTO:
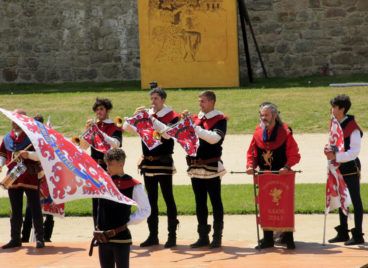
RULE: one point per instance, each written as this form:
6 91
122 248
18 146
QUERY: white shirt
353 152
143 207
210 136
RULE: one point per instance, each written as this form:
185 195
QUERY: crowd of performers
272 148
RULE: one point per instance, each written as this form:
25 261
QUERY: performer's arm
252 156
143 208
127 127
29 155
353 152
160 127
212 136
112 141
2 155
292 152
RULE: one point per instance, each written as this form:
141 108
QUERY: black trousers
111 254
212 187
27 224
353 184
151 184
16 219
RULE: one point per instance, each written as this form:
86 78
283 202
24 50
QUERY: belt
204 161
104 236
154 158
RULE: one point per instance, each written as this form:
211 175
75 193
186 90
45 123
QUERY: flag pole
324 230
255 199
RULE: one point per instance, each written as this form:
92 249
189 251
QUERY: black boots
342 235
217 234
153 234
357 238
172 226
48 227
267 241
203 240
288 238
12 244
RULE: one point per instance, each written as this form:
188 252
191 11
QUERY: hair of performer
102 107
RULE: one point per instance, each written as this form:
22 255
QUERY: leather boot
172 227
217 234
357 238
48 228
153 234
267 241
203 240
12 244
342 235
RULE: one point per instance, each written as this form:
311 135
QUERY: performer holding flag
14 143
272 148
157 166
349 168
206 169
111 133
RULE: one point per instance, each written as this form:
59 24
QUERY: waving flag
48 205
183 132
70 173
142 124
337 193
94 137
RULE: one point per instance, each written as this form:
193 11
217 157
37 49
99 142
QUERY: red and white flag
337 193
70 172
94 137
143 126
183 132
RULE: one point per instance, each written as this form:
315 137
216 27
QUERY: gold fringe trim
279 229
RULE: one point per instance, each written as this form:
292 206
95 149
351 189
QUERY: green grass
237 199
303 102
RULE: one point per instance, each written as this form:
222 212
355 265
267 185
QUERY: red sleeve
3 151
292 151
252 154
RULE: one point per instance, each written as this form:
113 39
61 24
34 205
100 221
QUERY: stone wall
44 41
305 37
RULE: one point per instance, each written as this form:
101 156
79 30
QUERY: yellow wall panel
189 43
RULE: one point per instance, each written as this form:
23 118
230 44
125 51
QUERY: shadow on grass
134 85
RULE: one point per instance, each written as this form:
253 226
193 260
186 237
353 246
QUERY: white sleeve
160 127
212 137
33 156
353 152
143 208
114 143
127 127
2 161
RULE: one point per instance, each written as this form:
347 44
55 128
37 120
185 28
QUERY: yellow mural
188 43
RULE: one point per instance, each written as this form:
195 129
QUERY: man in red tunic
13 144
272 148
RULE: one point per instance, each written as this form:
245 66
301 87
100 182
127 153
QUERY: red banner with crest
276 201
183 132
142 124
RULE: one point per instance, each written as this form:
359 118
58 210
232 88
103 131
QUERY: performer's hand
184 113
250 171
89 123
330 155
139 109
284 170
24 154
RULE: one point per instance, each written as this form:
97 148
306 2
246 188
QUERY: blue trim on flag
63 159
